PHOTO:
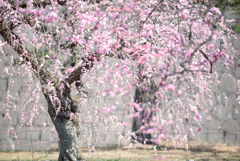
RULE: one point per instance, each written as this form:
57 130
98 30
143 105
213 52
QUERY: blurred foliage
42 53
69 62
17 61
235 7
45 53
235 4
236 28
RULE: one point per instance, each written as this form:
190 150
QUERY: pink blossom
137 107
129 50
112 93
97 9
103 94
101 51
66 38
149 131
141 60
144 87
116 9
69 70
163 130
138 47
44 124
150 26
162 136
148 112
105 77
198 129
126 9
184 17
209 118
230 21
157 158
117 65
161 53
216 33
170 121
198 117
236 111
134 115
123 123
51 17
38 13
154 119
170 87
156 141
107 110
75 38
194 109
163 83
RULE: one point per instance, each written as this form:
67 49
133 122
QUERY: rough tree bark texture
146 98
67 131
66 124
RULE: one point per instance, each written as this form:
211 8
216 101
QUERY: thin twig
140 28
211 64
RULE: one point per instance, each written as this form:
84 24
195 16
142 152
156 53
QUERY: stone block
230 126
220 70
237 72
107 140
212 124
26 145
3 85
230 138
229 15
237 138
228 84
236 116
235 43
213 137
230 130
223 112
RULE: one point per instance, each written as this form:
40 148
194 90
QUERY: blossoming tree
174 44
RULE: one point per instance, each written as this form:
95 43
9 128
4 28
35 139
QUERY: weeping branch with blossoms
175 42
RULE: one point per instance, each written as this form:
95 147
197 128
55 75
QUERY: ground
197 151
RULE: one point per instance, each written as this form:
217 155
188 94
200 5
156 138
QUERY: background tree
175 44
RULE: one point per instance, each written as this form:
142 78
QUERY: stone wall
45 137
224 125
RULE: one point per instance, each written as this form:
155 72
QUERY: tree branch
205 56
81 69
37 3
141 25
6 30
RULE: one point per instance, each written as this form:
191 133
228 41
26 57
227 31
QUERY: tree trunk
62 111
67 132
145 96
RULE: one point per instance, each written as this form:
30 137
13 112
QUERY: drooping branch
140 28
37 3
87 64
210 62
6 31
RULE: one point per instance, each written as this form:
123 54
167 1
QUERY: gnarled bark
66 124
67 132
143 97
